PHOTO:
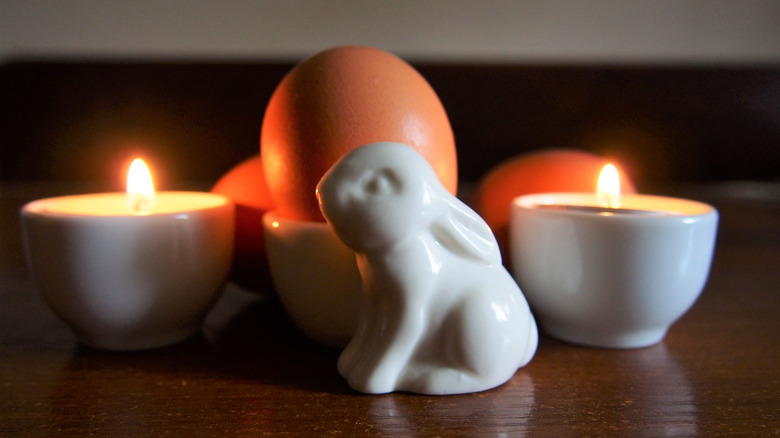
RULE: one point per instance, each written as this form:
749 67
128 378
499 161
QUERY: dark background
85 121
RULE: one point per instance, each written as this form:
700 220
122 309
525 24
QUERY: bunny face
377 194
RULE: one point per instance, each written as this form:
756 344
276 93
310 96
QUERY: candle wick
137 205
140 204
609 200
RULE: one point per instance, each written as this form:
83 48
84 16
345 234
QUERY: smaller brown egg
246 186
546 170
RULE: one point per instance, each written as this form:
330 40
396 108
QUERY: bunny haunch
439 312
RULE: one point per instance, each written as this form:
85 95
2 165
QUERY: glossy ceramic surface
439 313
130 282
315 276
611 280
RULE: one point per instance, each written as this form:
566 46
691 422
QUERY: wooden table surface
251 373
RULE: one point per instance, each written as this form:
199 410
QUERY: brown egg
245 185
338 100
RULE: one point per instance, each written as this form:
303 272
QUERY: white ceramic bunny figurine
440 314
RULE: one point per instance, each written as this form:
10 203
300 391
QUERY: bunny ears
463 232
418 201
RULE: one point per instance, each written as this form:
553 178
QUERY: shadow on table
251 341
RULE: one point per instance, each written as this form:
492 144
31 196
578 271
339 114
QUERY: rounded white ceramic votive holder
125 281
615 278
316 278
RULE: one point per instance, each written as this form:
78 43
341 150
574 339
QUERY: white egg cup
611 280
316 278
439 313
133 281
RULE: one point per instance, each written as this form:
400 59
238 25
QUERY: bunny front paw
370 381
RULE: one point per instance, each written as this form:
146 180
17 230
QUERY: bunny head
377 194
380 193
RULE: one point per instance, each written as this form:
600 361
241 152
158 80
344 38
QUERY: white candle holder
316 278
616 278
125 281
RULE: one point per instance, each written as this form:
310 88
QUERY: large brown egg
338 100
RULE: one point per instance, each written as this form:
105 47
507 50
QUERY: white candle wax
629 203
116 204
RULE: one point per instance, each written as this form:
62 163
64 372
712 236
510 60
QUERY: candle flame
608 191
140 191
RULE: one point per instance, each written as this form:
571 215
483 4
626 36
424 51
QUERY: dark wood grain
251 373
